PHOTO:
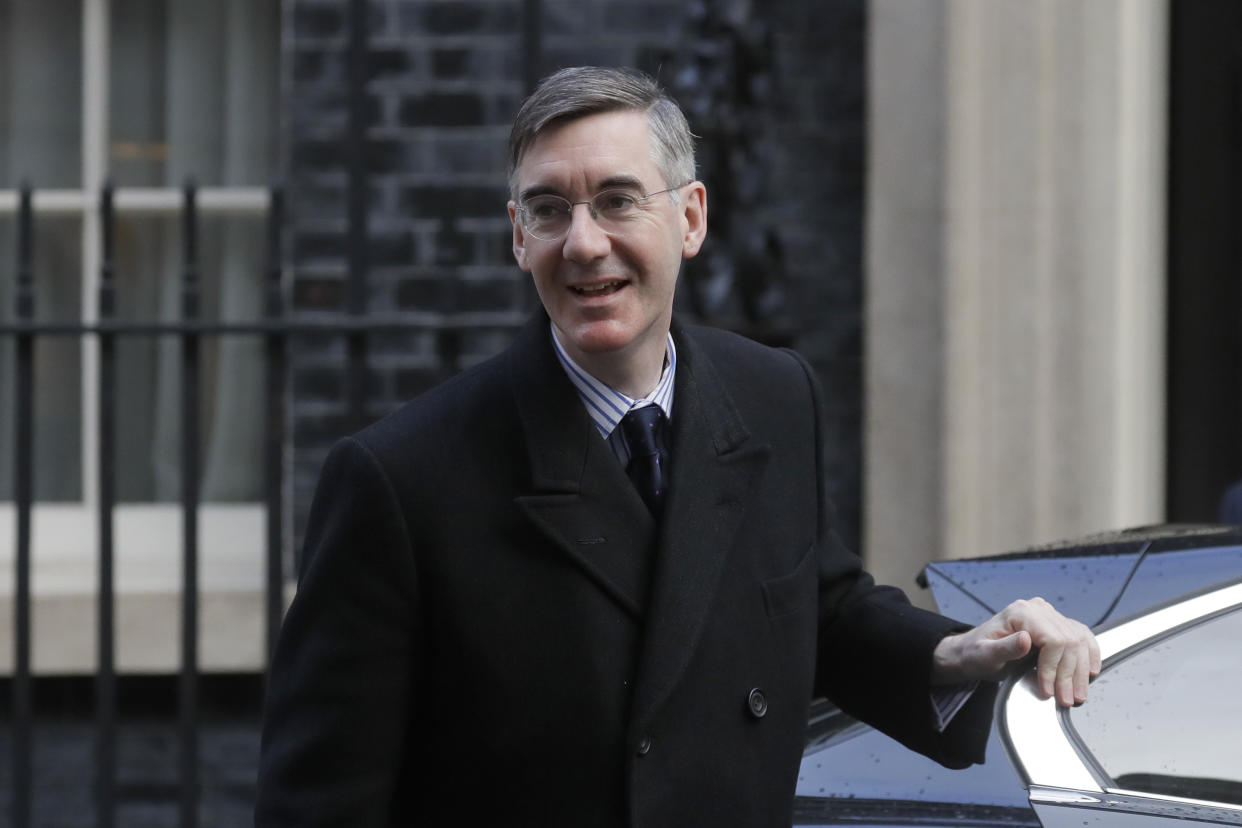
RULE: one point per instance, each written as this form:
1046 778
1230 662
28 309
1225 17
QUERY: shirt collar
605 404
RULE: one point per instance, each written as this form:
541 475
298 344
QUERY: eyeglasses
548 217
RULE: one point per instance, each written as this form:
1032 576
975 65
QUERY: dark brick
443 202
450 64
318 383
444 109
509 61
385 155
639 17
497 249
311 246
318 20
503 106
410 344
372 110
566 17
408 383
460 17
326 294
483 154
420 293
320 199
575 51
488 295
317 65
383 63
319 429
479 344
453 248
315 155
386 249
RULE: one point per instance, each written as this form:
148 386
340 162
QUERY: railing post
190 360
274 448
105 679
23 696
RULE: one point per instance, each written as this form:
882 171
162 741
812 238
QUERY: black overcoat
490 628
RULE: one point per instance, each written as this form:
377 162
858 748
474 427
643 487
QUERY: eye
616 202
546 208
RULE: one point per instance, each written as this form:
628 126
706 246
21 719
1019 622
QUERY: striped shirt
607 406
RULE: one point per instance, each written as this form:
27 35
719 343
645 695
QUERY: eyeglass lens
548 217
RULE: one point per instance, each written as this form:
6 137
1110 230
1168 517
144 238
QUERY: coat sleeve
342 681
874 652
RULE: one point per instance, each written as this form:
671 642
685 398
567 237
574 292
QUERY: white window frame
147 537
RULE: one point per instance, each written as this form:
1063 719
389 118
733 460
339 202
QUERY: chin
593 341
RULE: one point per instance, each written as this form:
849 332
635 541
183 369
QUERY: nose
585 241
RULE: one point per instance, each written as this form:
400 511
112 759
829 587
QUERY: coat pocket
786 594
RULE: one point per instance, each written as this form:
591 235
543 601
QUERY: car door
1160 739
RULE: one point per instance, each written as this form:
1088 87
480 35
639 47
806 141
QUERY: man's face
609 297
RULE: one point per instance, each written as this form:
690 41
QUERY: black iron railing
107 330
277 329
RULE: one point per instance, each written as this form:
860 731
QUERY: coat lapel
714 466
580 497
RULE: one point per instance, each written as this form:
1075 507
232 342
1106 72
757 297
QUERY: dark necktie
648 467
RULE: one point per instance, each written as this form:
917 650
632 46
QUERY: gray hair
589 90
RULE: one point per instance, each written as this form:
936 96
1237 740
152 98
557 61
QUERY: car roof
1095 579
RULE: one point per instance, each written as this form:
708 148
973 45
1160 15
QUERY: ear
694 217
519 239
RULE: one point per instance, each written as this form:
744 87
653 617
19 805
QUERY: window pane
193 92
1168 719
148 274
40 93
57 271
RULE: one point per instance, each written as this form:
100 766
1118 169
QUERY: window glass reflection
193 92
1168 719
40 94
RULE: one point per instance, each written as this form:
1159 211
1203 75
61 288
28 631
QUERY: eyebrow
615 181
609 183
538 190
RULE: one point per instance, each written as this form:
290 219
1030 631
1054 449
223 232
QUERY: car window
1167 719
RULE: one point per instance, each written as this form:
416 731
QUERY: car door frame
1062 778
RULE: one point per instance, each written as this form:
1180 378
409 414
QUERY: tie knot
639 427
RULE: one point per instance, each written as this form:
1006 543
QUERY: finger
1096 663
1067 676
1050 656
1082 675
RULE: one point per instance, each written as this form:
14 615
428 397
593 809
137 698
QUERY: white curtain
213 103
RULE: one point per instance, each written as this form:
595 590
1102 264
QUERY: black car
1159 740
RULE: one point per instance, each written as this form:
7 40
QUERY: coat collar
579 495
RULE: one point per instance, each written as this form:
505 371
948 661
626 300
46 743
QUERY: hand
1069 656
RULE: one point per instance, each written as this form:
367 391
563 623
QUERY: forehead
589 151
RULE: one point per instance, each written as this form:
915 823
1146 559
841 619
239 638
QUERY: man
495 624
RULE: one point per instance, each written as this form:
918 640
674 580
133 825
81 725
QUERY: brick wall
443 79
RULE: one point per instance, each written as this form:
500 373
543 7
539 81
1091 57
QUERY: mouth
601 289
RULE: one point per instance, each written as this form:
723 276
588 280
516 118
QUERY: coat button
757 703
644 745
